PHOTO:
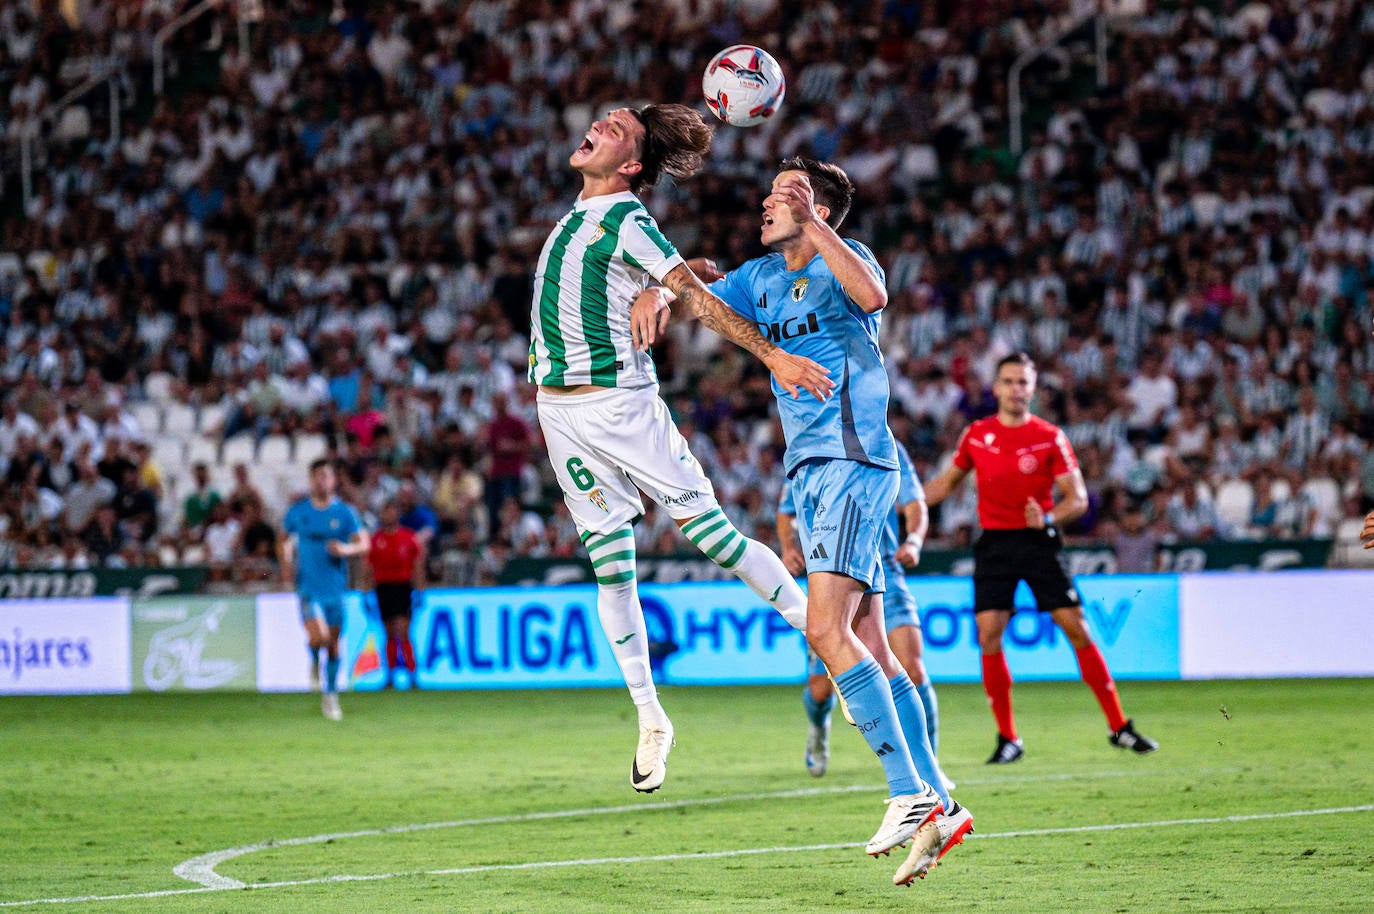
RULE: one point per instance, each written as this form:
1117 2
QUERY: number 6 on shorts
581 476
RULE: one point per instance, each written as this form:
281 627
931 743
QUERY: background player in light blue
899 613
819 296
322 533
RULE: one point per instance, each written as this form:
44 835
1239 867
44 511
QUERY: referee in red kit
397 561
1019 460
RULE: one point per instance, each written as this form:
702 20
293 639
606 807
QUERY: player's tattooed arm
716 314
792 371
649 315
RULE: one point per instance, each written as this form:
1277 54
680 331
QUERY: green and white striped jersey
597 260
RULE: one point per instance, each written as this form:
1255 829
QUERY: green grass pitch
104 796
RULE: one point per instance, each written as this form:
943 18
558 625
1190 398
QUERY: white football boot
905 814
932 842
650 765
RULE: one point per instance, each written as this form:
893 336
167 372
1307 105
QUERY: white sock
622 619
751 561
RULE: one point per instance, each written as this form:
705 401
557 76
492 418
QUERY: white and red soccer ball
743 85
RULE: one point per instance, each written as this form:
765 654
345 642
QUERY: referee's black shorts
1003 558
393 600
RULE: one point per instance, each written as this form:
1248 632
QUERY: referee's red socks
1094 670
997 683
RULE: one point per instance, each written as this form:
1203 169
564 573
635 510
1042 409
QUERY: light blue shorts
899 606
842 507
330 610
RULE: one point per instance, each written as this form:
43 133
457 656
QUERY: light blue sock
817 713
913 718
926 691
869 697
331 674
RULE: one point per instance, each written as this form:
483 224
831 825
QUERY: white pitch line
668 858
202 869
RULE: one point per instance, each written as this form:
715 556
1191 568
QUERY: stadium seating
245 218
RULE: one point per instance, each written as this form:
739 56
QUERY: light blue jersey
808 313
320 577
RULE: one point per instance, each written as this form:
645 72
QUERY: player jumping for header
609 434
820 296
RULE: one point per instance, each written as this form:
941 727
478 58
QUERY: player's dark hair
319 463
1016 358
675 142
829 185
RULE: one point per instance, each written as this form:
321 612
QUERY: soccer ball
743 85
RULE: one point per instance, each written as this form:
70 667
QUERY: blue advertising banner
716 633
533 637
1134 619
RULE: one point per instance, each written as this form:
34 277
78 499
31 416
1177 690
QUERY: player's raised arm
793 372
650 313
793 189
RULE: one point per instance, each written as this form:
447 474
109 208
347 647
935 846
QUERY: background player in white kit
608 432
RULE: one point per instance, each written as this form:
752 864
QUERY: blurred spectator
256 549
200 501
1136 545
222 530
84 498
416 516
508 440
1191 516
102 535
135 507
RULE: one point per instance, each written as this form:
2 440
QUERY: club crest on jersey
799 288
333 523
598 498
1027 463
989 438
597 235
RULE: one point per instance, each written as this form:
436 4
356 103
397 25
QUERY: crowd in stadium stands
330 231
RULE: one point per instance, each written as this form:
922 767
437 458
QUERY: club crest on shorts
598 498
799 288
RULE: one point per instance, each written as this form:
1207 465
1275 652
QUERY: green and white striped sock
751 561
715 536
613 556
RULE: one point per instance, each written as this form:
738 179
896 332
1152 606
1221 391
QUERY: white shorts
607 445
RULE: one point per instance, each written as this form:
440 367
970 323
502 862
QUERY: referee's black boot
1127 738
1007 751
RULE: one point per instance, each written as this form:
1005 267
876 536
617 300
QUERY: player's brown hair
830 186
675 143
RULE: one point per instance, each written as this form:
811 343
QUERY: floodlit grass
105 795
